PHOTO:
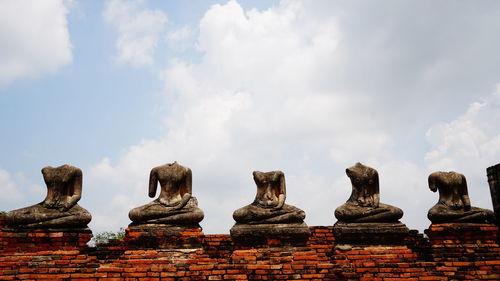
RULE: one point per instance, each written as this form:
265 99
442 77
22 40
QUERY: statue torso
450 190
268 190
59 184
266 196
172 179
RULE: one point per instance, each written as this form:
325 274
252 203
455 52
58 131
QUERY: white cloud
138 30
181 39
34 38
179 35
468 145
351 147
9 189
292 88
404 184
238 110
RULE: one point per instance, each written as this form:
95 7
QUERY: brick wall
450 253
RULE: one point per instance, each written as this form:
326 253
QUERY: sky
230 87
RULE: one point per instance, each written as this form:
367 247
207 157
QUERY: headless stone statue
364 204
454 203
269 204
268 215
60 208
175 206
363 220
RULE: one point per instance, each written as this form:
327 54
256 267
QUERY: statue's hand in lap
66 205
164 202
49 204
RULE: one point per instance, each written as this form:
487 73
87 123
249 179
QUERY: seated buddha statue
175 206
59 209
269 205
454 203
364 203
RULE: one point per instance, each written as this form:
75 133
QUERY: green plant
105 236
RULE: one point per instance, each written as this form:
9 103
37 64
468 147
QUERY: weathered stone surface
370 233
494 181
175 207
156 236
268 215
364 203
165 229
454 203
258 233
255 214
59 209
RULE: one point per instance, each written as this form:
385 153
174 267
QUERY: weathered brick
447 257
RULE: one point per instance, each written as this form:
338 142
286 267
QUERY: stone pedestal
268 234
370 233
43 239
163 236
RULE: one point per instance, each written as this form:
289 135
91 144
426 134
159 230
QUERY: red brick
134 274
201 267
235 276
461 263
